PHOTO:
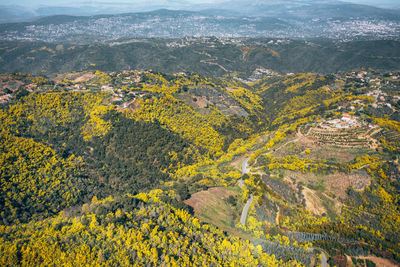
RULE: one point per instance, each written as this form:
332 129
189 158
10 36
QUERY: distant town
109 28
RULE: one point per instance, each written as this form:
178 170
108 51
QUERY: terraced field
357 137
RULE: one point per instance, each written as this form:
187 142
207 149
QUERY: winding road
243 217
245 169
246 210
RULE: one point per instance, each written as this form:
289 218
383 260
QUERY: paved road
245 169
324 260
246 210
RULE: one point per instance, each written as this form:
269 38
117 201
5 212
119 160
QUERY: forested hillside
147 168
208 56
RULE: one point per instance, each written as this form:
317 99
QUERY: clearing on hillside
211 206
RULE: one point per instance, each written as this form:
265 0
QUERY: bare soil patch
211 197
210 207
313 202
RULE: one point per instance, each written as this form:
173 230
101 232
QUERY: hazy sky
65 2
79 2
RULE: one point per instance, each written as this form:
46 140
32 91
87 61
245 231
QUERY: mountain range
274 8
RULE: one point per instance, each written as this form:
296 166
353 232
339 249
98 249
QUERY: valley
280 170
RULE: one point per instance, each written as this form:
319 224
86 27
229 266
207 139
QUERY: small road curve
245 169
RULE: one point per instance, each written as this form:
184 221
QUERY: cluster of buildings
359 28
9 86
111 28
347 121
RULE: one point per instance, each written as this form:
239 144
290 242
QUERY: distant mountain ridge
15 13
308 9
